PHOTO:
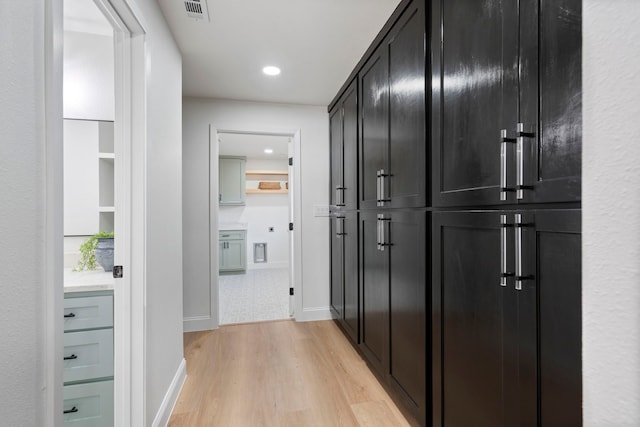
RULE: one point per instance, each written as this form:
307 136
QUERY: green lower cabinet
232 248
88 359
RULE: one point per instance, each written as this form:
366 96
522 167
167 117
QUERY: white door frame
130 140
296 274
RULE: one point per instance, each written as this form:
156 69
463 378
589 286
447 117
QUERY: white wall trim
50 408
171 397
311 314
199 323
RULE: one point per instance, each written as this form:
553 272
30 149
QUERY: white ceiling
316 43
84 16
252 146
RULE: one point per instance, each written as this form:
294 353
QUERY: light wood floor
279 374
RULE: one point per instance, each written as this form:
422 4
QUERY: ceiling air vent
197 9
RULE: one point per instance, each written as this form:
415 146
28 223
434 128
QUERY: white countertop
84 281
232 226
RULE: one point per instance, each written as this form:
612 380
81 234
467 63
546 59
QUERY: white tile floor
256 296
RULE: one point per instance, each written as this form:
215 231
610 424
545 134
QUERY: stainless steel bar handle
377 188
339 195
379 232
518 242
503 250
503 164
382 189
382 236
520 161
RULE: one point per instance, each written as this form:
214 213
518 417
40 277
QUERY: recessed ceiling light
271 70
268 150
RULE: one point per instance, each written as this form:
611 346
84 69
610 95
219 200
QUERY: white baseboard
171 397
314 313
200 323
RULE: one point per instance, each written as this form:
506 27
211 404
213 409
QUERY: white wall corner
171 397
312 314
199 323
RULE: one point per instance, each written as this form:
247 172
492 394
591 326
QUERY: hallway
280 373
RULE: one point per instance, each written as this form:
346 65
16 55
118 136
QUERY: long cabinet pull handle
521 135
503 250
503 164
71 411
378 187
72 357
382 189
340 195
379 232
69 316
518 242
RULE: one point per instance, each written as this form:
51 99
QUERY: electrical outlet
271 229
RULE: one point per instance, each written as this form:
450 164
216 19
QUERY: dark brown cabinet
345 272
343 125
507 318
393 147
394 301
506 105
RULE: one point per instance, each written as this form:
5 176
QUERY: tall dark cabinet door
407 120
374 302
374 125
558 272
337 267
551 99
468 319
351 275
336 147
475 62
350 149
409 291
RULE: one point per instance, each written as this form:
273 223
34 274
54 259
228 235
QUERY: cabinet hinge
291 291
290 226
290 161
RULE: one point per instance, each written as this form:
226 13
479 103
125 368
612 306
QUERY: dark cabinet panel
337 268
350 150
407 120
351 275
468 319
336 147
374 127
506 318
343 135
408 281
558 273
551 100
374 303
474 63
506 108
393 121
344 272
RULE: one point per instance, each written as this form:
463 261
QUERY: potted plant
97 249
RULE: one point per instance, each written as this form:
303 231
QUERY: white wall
611 220
88 76
236 115
23 388
164 207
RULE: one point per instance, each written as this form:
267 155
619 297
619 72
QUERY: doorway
255 272
103 72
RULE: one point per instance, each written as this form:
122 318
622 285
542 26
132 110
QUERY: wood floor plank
279 374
